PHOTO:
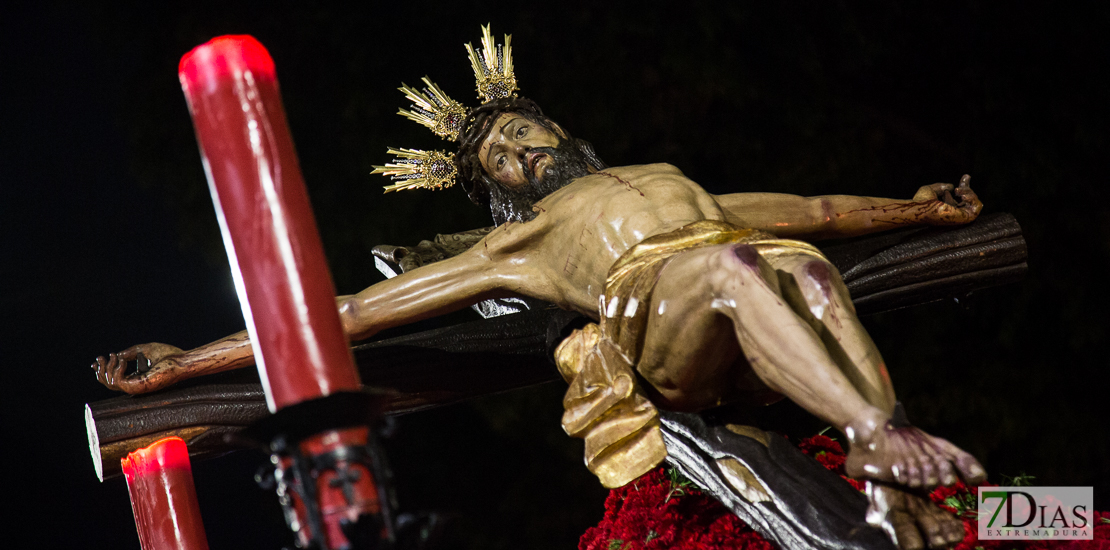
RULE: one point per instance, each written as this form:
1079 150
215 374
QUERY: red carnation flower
813 445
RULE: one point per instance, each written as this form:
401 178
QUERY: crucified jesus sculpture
747 313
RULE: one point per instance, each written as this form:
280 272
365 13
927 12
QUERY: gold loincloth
604 404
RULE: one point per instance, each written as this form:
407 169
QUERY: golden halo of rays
434 109
493 68
416 169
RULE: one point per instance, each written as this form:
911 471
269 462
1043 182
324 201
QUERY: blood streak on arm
901 213
895 207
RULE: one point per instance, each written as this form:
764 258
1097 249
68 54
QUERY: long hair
476 128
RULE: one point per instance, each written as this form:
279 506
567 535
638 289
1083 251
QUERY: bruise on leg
749 257
819 274
746 254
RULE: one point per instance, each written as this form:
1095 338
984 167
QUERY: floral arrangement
663 511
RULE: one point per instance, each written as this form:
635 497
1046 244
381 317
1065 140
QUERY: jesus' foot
907 456
911 520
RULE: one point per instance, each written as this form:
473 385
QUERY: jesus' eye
500 161
521 132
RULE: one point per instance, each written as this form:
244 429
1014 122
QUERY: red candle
269 231
163 497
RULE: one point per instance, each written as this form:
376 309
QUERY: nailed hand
953 205
163 364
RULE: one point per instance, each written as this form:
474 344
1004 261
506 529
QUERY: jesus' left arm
838 216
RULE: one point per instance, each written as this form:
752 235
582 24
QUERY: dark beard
568 163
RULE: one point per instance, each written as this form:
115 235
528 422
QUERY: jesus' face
509 153
525 161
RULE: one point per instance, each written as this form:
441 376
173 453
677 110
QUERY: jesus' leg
815 291
786 354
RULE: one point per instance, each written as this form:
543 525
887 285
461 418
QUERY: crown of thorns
414 168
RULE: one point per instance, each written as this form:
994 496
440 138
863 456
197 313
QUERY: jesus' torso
582 229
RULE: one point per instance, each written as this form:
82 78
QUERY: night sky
109 238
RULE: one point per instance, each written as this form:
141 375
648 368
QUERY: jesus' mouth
534 161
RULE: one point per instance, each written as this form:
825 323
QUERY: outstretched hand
164 363
955 205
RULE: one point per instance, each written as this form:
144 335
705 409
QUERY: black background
109 237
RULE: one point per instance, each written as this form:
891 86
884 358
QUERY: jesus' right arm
496 267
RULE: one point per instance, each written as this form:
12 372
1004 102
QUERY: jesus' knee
819 285
740 265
